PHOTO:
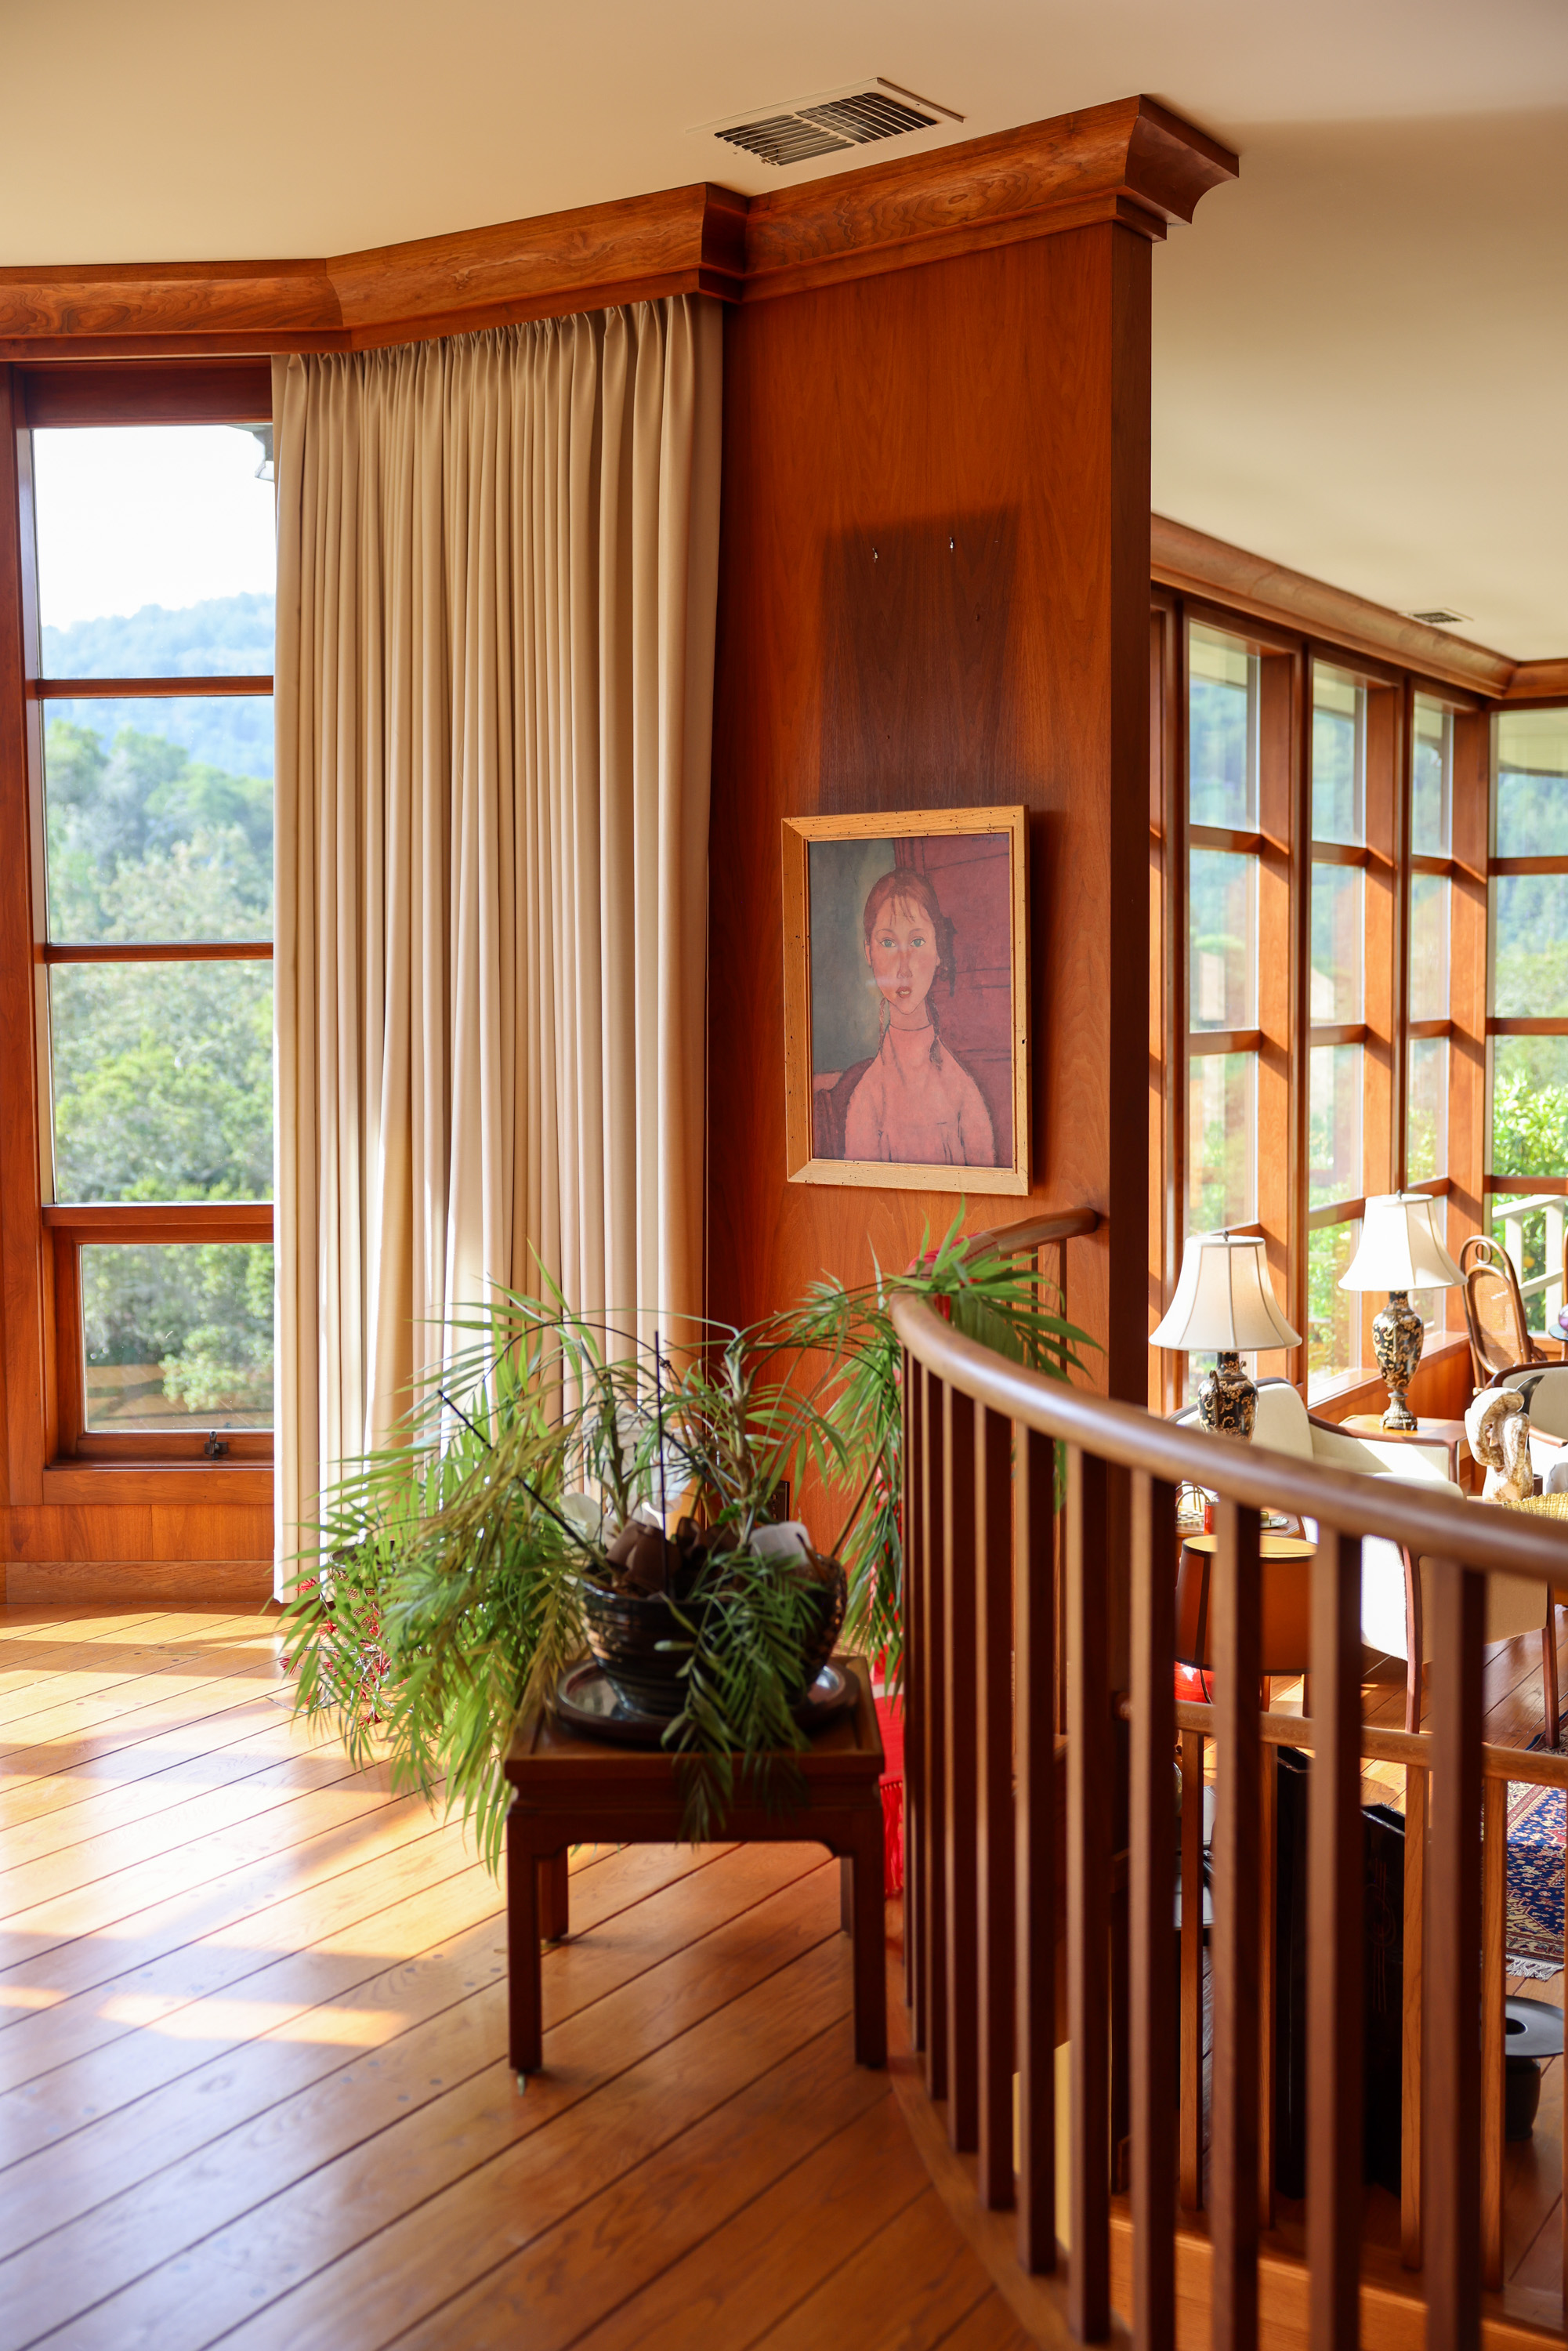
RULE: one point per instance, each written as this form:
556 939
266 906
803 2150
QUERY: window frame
1286 1035
49 1457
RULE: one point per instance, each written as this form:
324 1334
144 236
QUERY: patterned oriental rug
1533 1930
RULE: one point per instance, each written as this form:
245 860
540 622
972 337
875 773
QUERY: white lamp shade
1223 1300
1399 1247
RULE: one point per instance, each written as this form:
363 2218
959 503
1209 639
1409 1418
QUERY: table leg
555 1912
524 2023
846 1895
870 1941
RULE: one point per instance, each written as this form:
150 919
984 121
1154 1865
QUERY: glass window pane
1431 779
1339 757
1222 1105
1222 731
1429 932
158 819
1530 1106
1530 1230
1338 928
1427 1109
1530 945
178 1335
1222 914
1533 783
1334 1092
157 552
1334 1315
162 1080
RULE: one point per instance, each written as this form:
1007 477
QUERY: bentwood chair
1494 1313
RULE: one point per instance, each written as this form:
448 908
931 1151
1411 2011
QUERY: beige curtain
497 563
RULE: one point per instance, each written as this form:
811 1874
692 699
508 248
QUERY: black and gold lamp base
1227 1399
1396 1335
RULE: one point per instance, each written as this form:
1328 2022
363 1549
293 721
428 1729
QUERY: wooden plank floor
252 2084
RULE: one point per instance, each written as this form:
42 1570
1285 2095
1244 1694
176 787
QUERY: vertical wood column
1335 1870
1452 2150
1035 1821
1412 2084
1153 2005
1494 1881
1233 1944
934 1682
960 1755
1089 1771
997 1931
913 1698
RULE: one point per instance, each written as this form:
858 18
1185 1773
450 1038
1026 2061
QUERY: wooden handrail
1035 1232
1436 1525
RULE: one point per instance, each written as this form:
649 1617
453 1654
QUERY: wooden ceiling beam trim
1131 161
1211 567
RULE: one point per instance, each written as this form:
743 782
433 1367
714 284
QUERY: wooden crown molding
1130 161
1200 566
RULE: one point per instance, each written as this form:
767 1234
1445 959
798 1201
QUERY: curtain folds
498 572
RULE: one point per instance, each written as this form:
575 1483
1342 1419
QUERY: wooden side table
568 1789
1449 1434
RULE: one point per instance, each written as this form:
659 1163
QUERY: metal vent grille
830 127
1440 619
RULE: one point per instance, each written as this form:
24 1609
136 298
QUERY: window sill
112 1484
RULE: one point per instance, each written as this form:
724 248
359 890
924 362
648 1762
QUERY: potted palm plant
566 1484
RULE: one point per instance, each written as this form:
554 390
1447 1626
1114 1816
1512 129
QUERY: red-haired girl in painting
912 1101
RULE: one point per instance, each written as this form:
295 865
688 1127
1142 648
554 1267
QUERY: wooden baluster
933 1842
1153 1905
1088 1776
1334 1886
1494 1879
1456 1599
1035 1638
1268 1917
961 1763
1413 1992
1233 1943
1191 2120
914 1475
994 1589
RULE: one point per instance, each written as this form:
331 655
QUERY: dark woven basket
624 1634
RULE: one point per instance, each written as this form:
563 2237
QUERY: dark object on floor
1533 2030
1383 1972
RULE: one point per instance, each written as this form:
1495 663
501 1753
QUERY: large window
155 557
1529 989
1326 830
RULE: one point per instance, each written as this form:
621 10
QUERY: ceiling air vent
833 124
1440 619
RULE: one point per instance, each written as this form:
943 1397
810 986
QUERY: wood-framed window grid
46 1442
1285 1035
1496 868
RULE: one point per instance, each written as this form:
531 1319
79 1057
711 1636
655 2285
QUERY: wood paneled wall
934 592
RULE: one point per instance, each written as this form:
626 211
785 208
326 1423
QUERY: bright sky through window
164 513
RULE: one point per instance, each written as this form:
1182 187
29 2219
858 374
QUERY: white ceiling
1360 349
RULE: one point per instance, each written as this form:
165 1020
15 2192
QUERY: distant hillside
227 635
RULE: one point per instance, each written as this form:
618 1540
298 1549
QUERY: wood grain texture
934 592
158 1580
1131 161
150 392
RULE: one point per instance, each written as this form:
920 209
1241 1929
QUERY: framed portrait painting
906 1000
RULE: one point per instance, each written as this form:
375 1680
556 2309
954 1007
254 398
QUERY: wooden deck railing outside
991 1562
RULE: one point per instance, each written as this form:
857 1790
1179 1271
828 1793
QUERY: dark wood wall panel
934 592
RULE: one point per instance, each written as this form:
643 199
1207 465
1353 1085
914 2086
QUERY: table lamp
1223 1301
1400 1251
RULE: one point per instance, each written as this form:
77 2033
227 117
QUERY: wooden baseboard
245 1583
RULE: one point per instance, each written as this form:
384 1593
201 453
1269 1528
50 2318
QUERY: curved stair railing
990 1893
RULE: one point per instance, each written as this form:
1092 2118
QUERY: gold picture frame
869 946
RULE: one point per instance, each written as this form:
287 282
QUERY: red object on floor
890 1722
